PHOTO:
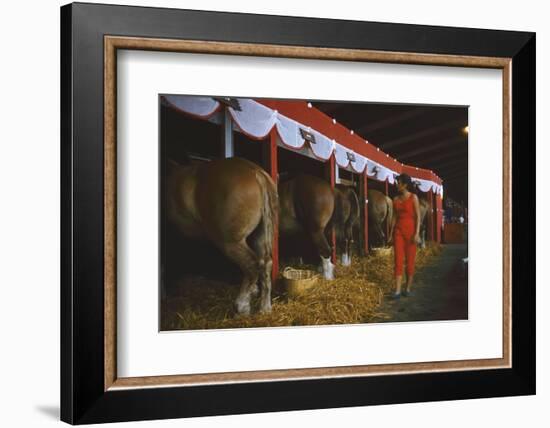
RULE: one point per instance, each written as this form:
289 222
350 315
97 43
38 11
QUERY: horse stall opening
347 178
297 247
379 211
184 140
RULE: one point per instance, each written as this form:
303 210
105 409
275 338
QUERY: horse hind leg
321 243
348 244
246 259
261 245
265 283
380 233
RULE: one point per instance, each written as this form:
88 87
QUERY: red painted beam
388 225
333 185
431 216
271 163
366 212
332 177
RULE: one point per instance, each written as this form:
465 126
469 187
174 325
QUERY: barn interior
430 137
434 137
186 139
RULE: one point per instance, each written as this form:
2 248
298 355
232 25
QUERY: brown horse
232 203
380 213
425 207
345 217
306 205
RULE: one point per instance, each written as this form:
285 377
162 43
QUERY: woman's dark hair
405 179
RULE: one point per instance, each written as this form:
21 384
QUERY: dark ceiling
430 137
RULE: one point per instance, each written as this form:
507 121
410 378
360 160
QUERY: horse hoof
329 274
265 309
346 260
328 268
243 308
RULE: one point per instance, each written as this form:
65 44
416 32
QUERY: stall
303 129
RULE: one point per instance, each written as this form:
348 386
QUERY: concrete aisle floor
440 291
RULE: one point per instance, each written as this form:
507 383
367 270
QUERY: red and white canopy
256 119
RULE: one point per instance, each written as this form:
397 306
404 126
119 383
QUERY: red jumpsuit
403 235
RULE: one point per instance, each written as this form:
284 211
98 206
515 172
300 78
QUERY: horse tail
355 209
389 214
270 209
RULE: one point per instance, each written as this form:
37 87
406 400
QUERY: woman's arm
417 217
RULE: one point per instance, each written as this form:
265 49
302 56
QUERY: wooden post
332 178
431 216
365 195
271 165
227 134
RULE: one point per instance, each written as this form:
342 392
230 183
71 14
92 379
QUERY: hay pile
353 297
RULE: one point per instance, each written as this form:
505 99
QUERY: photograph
270 213
293 213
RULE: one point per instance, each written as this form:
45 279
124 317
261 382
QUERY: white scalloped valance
426 186
323 146
256 121
202 107
359 164
289 131
341 155
253 118
380 172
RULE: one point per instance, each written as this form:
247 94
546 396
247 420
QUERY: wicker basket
382 251
297 281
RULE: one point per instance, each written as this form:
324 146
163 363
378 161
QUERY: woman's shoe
396 296
408 293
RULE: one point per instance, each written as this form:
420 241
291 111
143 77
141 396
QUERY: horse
380 208
306 205
424 206
232 203
345 217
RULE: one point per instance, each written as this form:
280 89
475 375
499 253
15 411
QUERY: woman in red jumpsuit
404 232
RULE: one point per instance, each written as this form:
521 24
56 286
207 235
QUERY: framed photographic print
265 213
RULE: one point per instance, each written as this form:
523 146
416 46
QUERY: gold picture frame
114 43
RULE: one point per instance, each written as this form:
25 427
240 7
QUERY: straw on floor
353 297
